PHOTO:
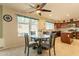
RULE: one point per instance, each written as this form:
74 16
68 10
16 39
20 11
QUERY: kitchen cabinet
77 35
57 25
66 37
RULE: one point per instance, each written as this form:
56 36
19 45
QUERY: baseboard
5 48
1 42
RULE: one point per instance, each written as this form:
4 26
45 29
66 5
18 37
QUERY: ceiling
60 11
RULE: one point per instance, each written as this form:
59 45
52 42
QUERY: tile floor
62 49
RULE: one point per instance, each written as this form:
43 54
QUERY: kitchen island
66 37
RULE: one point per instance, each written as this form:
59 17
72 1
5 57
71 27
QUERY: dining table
40 39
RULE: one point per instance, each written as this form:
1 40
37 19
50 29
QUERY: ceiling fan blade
31 6
42 5
37 7
31 11
44 10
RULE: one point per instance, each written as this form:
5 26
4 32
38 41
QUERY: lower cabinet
77 35
66 37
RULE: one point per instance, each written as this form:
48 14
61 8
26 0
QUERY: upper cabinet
75 24
57 25
60 25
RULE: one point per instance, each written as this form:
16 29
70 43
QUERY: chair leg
25 49
54 51
49 52
25 46
28 52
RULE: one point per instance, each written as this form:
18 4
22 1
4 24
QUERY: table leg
39 50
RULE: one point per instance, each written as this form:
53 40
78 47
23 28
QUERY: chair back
33 33
52 39
26 38
46 33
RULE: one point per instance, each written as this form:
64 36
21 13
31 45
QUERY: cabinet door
77 34
77 24
63 25
66 38
58 25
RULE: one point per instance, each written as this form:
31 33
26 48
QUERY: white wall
10 33
1 29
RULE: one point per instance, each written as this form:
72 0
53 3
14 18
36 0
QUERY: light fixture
38 11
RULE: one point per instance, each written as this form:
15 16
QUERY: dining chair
51 43
28 44
46 33
32 33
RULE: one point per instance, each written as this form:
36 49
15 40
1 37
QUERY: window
34 26
49 25
25 25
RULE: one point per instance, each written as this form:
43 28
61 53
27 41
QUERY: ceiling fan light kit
38 11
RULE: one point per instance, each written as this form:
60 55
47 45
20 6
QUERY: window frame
51 23
30 19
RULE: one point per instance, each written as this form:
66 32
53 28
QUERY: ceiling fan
38 8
